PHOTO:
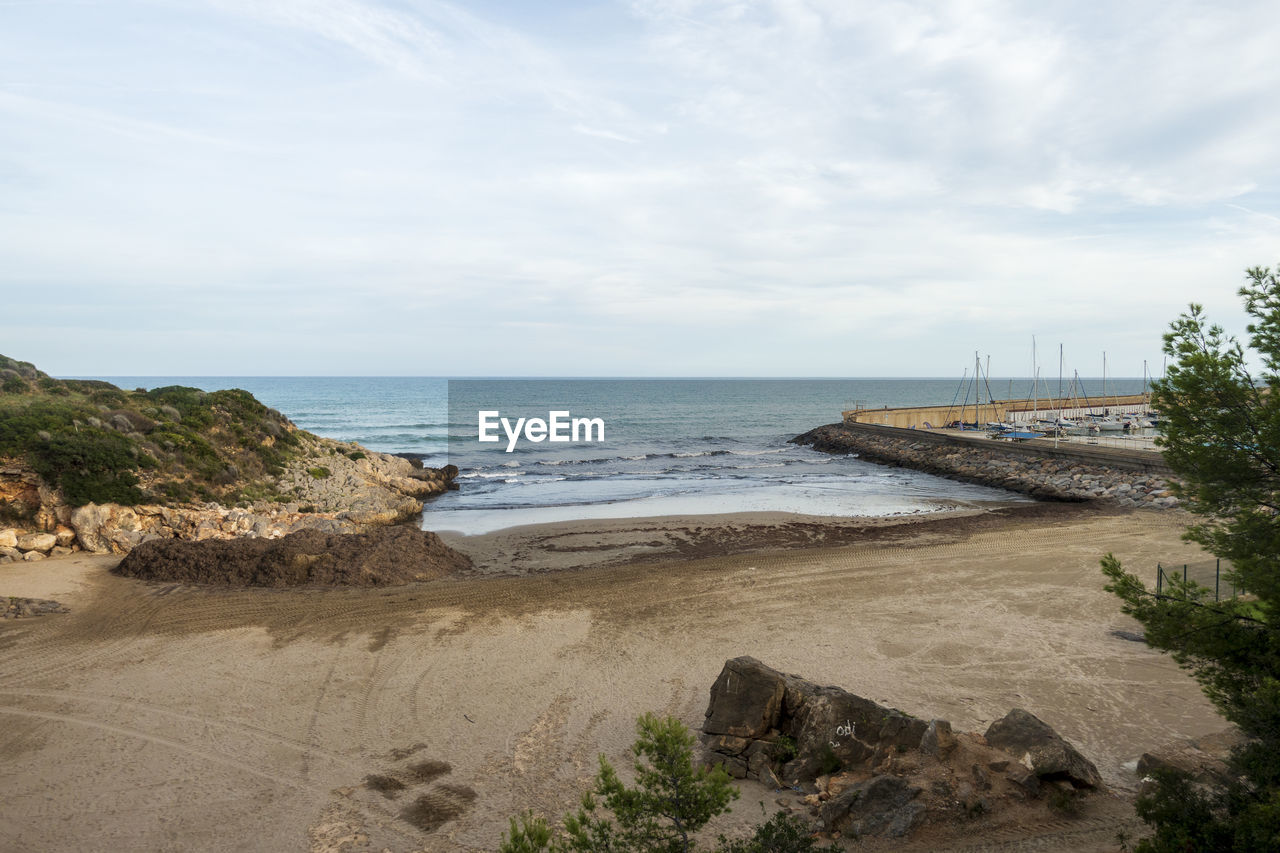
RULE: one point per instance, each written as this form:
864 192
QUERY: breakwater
1065 473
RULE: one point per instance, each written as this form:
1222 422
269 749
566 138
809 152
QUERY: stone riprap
1067 474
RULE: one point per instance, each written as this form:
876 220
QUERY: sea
665 446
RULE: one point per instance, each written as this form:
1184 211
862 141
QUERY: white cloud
738 187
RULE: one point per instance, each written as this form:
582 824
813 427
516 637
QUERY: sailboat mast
991 401
1059 383
1035 381
977 387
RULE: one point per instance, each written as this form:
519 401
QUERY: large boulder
833 727
106 528
866 770
746 699
1042 749
758 715
881 806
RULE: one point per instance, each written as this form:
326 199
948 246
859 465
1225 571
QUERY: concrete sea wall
1020 411
1068 472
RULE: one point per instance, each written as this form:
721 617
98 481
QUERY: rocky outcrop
113 529
1016 468
337 488
870 770
24 495
759 717
1041 750
362 486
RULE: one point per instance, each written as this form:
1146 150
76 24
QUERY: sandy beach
179 718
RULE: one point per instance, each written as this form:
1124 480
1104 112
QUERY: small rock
32 556
981 779
8 538
1024 779
37 541
938 739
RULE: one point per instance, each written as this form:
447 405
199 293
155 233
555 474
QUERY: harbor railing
1210 574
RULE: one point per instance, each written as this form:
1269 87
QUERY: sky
647 188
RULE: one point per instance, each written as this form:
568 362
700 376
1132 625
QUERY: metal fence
1210 574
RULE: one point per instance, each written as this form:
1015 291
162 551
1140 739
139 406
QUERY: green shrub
14 385
190 403
53 386
22 421
112 398
828 761
670 801
355 455
319 472
782 833
92 466
86 386
177 490
784 749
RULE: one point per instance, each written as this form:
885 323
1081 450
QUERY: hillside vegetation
101 444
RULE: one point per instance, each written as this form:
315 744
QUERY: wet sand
420 718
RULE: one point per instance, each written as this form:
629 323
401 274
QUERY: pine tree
670 801
1221 428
